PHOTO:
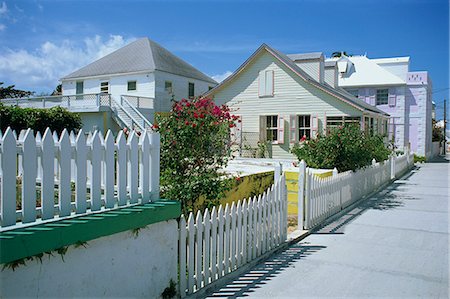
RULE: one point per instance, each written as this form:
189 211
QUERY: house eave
105 75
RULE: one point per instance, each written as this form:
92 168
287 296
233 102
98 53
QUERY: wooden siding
291 96
311 67
330 77
179 87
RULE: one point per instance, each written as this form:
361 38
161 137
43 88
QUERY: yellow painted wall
292 189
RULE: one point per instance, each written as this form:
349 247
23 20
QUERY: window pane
79 87
191 90
382 96
168 86
131 85
307 121
104 87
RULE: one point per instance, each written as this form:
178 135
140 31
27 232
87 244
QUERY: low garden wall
129 252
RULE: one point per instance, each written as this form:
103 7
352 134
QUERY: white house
388 84
126 88
281 98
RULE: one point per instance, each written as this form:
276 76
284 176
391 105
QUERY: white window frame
273 128
102 87
79 83
168 89
189 90
135 85
304 128
384 92
266 83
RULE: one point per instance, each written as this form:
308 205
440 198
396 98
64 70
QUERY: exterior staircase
128 116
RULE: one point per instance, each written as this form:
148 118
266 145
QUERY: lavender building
388 84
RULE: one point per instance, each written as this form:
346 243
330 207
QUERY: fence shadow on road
257 276
385 199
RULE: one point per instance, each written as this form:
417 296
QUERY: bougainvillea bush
195 146
346 148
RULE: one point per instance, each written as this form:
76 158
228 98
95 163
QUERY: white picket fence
74 174
320 198
217 243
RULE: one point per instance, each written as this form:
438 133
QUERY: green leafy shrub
195 146
419 159
346 148
56 118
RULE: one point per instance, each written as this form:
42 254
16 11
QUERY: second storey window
131 85
104 87
79 87
304 126
191 91
168 87
382 96
266 82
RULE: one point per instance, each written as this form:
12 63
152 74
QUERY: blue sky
41 41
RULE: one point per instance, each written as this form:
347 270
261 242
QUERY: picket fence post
301 195
393 167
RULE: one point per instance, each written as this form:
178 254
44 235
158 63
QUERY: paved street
395 244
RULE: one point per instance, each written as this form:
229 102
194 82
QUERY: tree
346 148
438 132
11 92
58 90
195 147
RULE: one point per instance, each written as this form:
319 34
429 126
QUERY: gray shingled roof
305 56
336 92
139 56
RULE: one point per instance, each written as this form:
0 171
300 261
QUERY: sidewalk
395 244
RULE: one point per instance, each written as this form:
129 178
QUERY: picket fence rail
50 177
217 243
320 198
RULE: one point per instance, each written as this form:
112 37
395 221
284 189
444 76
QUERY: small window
191 90
382 96
266 82
168 87
104 87
304 126
80 87
353 92
131 85
272 127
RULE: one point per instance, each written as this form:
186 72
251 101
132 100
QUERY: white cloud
41 69
220 77
2 27
3 8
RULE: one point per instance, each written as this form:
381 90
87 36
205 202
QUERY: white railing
217 243
140 102
82 101
321 198
139 121
46 178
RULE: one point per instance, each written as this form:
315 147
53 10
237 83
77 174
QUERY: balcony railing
82 101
